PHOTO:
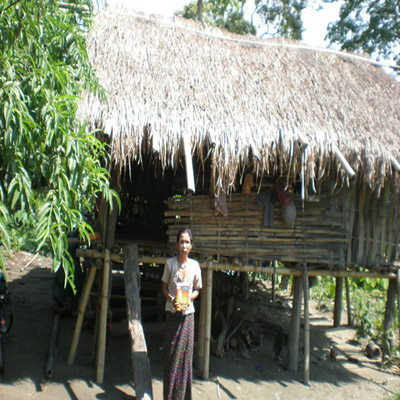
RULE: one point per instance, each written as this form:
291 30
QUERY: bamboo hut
323 125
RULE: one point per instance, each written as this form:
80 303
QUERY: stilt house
209 130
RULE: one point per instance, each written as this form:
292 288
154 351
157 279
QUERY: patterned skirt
178 356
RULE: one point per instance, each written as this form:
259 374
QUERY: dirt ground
235 376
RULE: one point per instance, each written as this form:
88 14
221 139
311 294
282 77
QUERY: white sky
315 22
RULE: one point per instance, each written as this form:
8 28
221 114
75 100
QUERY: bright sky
315 22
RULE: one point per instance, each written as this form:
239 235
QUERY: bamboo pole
207 337
348 302
202 324
101 345
384 233
337 315
81 312
248 268
368 228
361 225
395 164
388 321
351 202
306 376
274 281
112 215
188 163
294 333
343 161
377 219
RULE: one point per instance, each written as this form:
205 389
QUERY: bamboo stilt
273 282
81 313
337 316
294 333
101 345
306 376
348 302
202 324
207 337
389 317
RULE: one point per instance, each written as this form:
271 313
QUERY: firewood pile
241 325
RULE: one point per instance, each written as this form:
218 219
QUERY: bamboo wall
321 234
375 225
350 229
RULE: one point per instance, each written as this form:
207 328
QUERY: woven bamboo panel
320 234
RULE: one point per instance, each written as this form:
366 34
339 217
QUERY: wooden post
294 333
207 337
348 302
387 344
337 314
81 312
202 325
306 377
101 345
140 360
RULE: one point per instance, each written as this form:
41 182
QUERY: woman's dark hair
181 232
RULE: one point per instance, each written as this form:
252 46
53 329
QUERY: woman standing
180 272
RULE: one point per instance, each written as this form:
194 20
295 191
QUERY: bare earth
236 376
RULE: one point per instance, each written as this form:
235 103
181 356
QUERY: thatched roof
247 96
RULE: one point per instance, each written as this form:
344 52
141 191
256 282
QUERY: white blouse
189 274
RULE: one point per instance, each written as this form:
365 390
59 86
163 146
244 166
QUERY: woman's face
184 244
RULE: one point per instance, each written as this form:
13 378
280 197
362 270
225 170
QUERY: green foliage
44 69
282 18
323 290
371 26
368 298
225 14
22 225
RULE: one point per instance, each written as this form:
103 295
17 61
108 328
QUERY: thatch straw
172 77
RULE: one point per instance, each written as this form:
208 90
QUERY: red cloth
284 196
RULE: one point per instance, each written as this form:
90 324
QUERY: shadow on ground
28 342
